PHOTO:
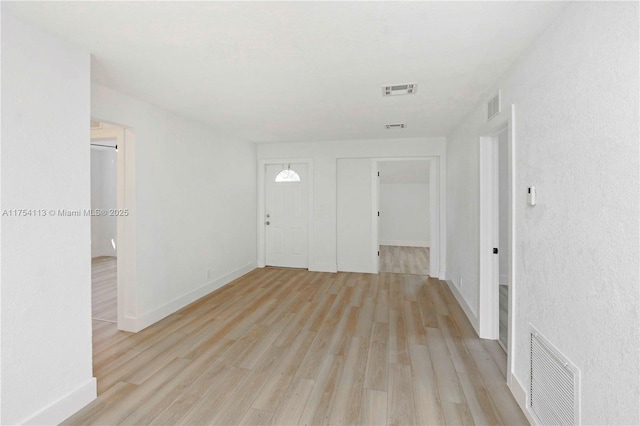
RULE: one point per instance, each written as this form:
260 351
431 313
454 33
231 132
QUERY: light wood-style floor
282 346
103 289
404 260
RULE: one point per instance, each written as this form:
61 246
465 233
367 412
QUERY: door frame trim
261 248
488 290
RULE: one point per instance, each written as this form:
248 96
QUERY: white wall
103 197
325 155
46 267
404 214
195 206
577 251
354 177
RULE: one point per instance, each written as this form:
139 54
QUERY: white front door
286 215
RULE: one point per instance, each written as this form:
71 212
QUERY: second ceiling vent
400 89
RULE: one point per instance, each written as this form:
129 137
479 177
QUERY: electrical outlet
208 274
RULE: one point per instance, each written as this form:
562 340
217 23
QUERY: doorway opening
105 139
497 283
404 216
502 229
112 220
104 199
407 215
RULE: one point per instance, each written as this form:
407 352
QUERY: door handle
267 223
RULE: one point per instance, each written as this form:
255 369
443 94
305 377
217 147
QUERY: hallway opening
104 224
404 215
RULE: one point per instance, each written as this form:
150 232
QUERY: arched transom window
288 175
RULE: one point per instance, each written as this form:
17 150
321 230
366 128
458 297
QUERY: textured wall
576 98
463 209
46 264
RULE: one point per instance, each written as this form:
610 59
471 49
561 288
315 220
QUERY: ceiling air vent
493 106
395 126
400 89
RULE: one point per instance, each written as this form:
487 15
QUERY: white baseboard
442 274
66 406
403 243
104 252
129 324
356 267
520 395
473 319
324 267
140 323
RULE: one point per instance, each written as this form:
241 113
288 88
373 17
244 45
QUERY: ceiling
405 171
301 71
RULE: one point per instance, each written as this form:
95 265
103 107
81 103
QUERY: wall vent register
554 384
395 126
493 106
400 89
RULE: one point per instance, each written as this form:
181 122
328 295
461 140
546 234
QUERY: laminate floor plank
404 260
256 417
400 405
280 346
212 401
176 411
171 391
241 399
323 395
139 395
478 402
398 347
374 410
377 365
428 406
103 288
447 381
293 402
282 375
347 407
425 304
456 414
